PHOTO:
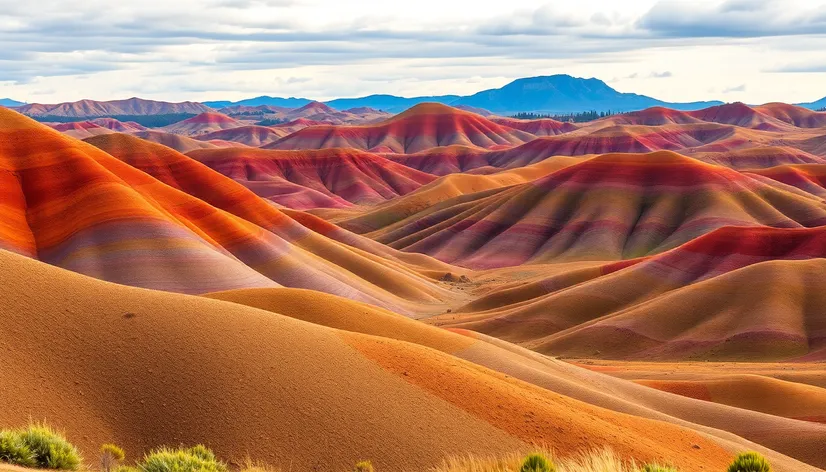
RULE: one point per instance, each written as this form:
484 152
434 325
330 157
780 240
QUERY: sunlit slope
182 369
802 440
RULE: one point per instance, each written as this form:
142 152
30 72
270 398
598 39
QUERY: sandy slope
801 441
144 368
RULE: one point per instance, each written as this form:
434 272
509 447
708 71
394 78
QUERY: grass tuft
110 456
364 466
750 462
38 445
603 460
537 462
14 451
657 468
194 459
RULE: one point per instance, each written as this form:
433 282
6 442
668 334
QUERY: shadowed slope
170 360
422 127
312 179
614 206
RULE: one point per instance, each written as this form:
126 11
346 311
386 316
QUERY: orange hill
113 221
166 380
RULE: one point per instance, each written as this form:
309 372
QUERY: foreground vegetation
40 446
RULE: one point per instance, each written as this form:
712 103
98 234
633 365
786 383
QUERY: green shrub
50 449
750 462
194 459
110 455
657 468
364 466
14 451
537 463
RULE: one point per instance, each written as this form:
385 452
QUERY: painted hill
705 287
422 127
313 179
611 207
133 220
254 136
797 116
80 129
740 114
98 126
114 108
655 116
202 124
564 94
599 138
119 126
177 142
540 127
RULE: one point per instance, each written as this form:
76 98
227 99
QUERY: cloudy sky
678 50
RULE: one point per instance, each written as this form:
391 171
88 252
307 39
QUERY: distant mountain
565 94
388 103
818 105
291 102
8 102
544 94
145 112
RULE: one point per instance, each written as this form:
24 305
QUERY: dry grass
603 460
250 465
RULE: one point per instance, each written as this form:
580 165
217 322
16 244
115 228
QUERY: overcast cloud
231 49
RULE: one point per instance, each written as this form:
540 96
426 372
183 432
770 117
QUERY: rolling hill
610 207
135 108
204 123
422 127
315 179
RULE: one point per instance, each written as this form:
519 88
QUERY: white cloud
231 49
